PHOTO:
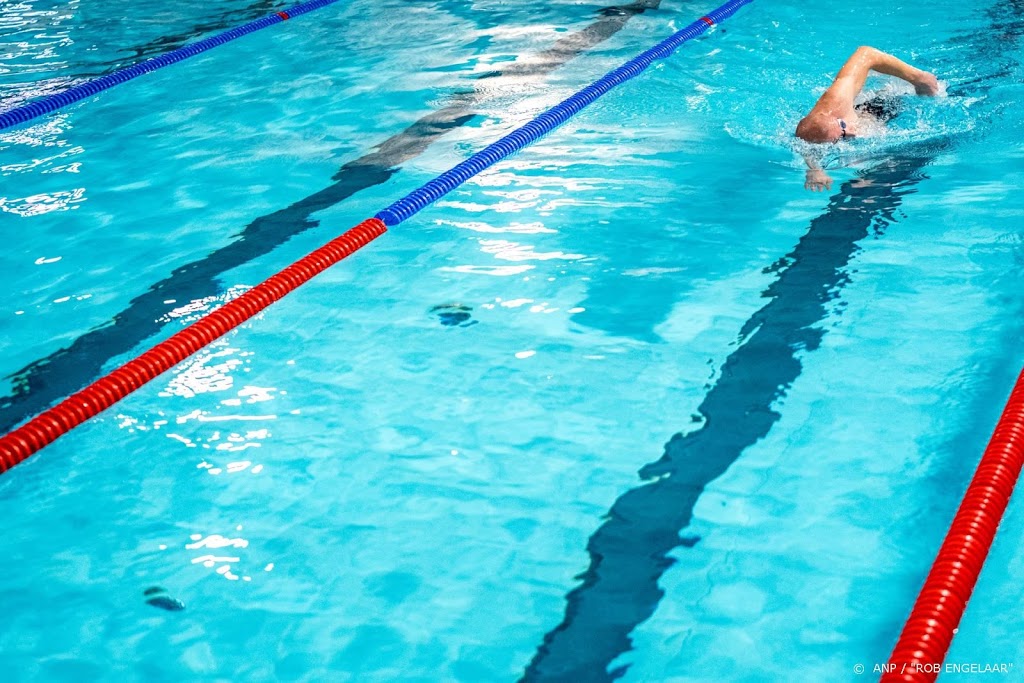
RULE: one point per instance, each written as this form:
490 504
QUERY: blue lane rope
45 105
549 120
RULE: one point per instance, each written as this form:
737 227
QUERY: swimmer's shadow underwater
633 547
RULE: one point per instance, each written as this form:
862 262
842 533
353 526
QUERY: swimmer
835 117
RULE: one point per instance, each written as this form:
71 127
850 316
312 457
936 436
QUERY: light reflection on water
213 370
225 564
644 190
39 204
499 271
531 228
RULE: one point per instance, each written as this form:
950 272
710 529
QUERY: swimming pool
413 499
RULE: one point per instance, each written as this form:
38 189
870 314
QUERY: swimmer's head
821 127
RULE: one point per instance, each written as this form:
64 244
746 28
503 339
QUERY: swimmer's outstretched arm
865 59
924 82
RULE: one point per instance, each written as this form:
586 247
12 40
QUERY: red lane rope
708 21
922 646
103 393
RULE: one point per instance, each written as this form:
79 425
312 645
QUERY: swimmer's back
883 108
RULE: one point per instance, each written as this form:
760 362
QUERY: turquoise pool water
401 471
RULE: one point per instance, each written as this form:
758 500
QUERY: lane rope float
63 371
51 103
926 637
939 608
46 427
423 196
105 392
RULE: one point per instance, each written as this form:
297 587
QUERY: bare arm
865 59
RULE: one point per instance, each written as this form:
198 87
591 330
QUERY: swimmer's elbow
871 54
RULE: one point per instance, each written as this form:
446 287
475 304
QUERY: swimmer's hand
817 180
925 83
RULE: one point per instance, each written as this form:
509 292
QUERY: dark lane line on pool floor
40 384
629 553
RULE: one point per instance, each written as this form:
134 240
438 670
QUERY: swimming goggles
842 126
